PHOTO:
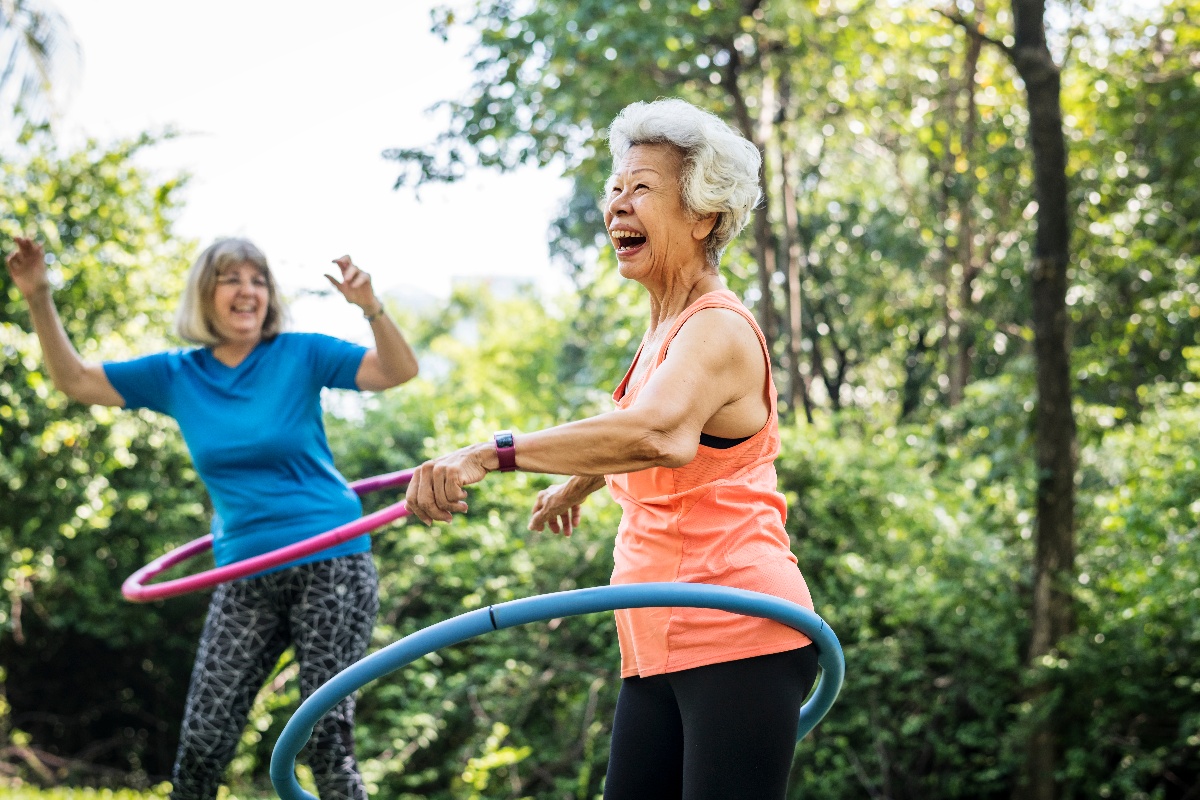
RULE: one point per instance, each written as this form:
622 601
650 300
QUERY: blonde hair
720 166
193 319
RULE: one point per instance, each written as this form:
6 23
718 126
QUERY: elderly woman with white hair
709 700
247 400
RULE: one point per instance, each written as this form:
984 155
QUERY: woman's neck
669 301
233 353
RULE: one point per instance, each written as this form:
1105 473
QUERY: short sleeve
142 382
335 362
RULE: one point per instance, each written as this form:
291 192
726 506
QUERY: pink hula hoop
135 588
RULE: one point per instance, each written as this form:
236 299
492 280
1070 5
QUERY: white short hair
720 166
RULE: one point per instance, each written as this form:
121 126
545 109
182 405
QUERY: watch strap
506 450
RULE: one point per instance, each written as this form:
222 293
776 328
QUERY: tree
1053 612
1052 616
91 494
40 60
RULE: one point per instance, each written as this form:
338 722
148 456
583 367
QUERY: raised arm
714 377
70 374
391 362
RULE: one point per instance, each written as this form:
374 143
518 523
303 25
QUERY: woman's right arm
71 375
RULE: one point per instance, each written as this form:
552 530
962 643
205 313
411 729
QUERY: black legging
720 732
325 610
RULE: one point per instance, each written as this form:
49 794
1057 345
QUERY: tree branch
974 30
1193 61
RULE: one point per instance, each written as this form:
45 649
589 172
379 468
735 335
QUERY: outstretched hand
27 266
437 491
355 285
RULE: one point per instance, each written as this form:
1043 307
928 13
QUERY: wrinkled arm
711 365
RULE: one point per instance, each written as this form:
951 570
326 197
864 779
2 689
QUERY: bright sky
286 108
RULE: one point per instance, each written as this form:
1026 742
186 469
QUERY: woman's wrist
486 456
39 292
371 316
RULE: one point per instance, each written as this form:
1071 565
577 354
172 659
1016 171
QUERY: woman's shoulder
174 357
720 304
718 298
315 349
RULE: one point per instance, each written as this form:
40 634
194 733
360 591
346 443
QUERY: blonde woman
247 400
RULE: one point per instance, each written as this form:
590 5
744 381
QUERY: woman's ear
703 226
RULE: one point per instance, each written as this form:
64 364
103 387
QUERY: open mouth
626 241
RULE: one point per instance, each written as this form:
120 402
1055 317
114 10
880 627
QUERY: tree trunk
764 244
965 348
1054 568
797 266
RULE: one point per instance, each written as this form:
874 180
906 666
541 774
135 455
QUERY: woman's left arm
391 362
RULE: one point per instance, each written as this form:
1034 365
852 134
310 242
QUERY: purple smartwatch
506 450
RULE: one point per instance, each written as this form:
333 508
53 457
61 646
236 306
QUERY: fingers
24 250
435 493
29 248
537 517
355 284
26 264
351 273
549 511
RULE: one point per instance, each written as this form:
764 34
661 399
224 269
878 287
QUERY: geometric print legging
325 610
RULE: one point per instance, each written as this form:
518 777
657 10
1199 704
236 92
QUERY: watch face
504 439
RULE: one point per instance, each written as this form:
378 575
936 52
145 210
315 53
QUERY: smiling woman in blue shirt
247 400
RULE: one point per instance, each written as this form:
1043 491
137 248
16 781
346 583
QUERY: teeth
624 234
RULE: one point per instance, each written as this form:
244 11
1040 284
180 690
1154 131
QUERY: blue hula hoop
552 606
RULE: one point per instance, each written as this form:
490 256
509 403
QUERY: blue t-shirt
256 437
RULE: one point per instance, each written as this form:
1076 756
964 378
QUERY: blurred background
977 262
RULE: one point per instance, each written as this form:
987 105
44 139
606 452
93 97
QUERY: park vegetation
1017 588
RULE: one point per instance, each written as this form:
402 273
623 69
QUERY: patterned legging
325 610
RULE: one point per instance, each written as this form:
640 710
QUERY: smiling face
651 229
240 301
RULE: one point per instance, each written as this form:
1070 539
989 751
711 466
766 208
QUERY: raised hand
355 285
27 266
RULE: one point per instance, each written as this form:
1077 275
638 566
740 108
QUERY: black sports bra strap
720 442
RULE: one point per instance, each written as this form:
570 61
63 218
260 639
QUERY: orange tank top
720 520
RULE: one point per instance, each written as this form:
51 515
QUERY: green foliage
915 536
1135 305
159 793
918 575
864 132
91 494
1128 676
915 540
